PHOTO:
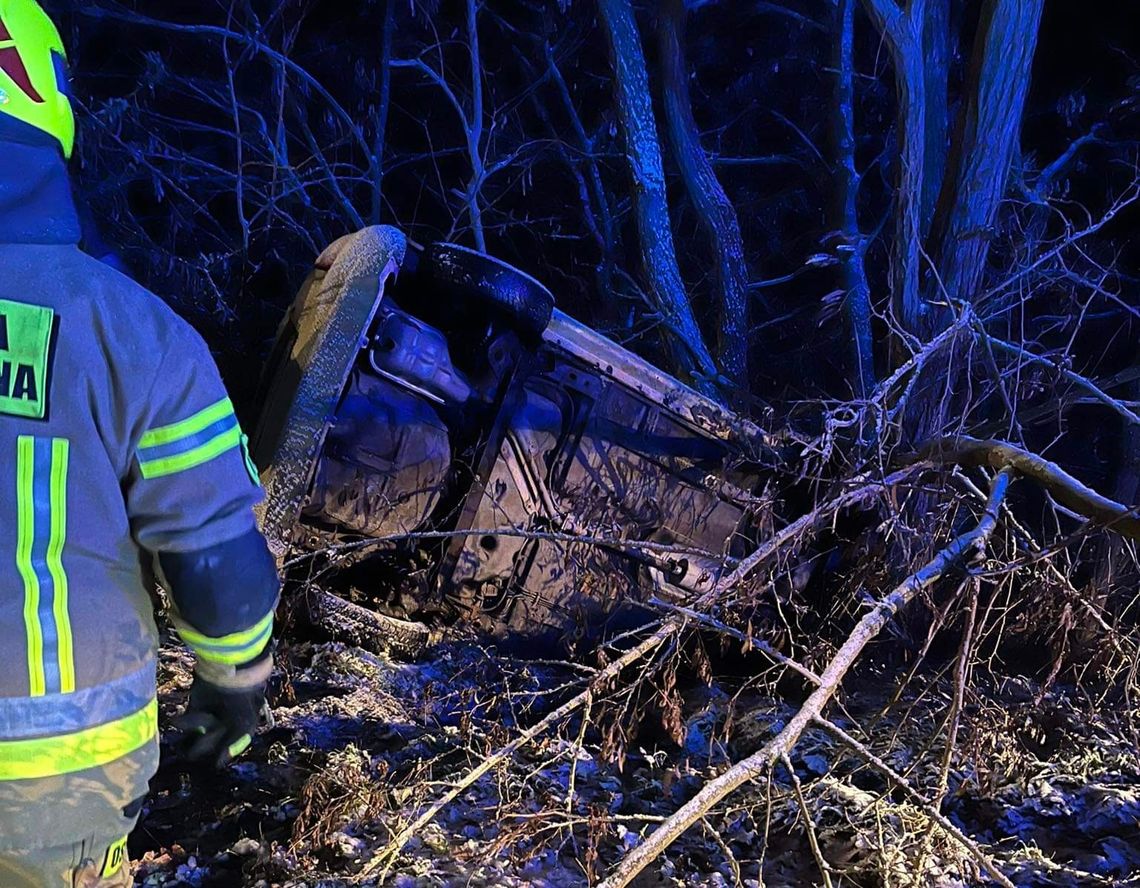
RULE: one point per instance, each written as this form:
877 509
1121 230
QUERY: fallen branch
606 542
863 488
748 641
754 767
383 860
1066 489
931 811
809 826
867 488
1030 542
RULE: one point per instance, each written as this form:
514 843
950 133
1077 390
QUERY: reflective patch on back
25 358
41 532
114 859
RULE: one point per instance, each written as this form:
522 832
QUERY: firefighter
120 458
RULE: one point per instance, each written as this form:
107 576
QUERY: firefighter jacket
118 447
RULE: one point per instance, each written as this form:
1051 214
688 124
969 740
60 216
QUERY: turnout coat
119 453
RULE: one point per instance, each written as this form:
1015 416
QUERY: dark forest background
864 224
900 235
224 144
876 223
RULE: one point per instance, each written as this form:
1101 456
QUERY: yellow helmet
33 76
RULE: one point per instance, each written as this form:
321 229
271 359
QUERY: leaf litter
361 743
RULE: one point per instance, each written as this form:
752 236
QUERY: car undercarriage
433 402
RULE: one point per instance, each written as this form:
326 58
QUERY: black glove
224 710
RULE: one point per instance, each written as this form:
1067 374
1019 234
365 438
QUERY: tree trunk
854 244
986 136
475 129
936 48
635 112
715 211
902 31
383 103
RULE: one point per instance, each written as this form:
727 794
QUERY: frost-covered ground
361 743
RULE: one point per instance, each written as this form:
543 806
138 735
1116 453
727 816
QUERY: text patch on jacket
25 358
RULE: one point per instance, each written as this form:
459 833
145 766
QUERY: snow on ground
362 743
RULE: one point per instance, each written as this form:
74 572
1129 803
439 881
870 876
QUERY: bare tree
471 117
971 181
658 256
715 211
852 243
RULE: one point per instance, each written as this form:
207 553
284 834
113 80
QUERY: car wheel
317 347
491 284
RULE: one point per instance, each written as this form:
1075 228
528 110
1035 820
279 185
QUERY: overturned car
432 405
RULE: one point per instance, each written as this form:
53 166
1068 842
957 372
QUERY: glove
224 710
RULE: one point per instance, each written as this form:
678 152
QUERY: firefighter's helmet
33 72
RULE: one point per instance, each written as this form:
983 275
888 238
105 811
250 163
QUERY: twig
961 678
864 487
737 875
754 767
251 41
809 827
1076 378
753 643
938 817
570 783
1129 197
545 536
382 861
923 354
958 703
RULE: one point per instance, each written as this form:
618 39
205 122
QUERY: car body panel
543 463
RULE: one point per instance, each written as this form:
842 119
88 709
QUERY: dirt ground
362 742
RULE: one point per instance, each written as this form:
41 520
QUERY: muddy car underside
434 401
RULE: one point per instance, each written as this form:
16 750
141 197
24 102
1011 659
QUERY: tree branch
1066 489
383 859
650 200
756 765
1083 382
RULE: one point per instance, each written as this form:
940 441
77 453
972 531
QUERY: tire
488 283
344 621
317 347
